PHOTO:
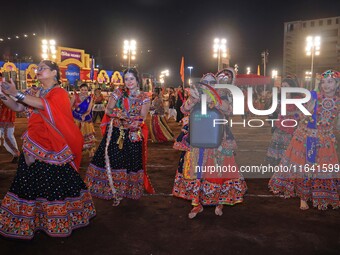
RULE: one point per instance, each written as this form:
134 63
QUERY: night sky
164 30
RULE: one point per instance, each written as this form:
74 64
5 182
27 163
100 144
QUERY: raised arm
9 89
192 100
10 103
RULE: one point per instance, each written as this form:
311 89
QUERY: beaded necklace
134 93
130 101
43 91
327 109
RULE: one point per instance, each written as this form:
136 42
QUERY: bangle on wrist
20 96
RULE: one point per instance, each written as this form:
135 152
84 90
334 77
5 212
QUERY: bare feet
194 211
219 210
320 207
303 205
116 201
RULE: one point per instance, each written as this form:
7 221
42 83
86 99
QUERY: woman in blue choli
82 109
82 114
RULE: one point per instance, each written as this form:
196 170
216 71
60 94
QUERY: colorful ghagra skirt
228 191
278 146
88 132
125 168
159 129
45 197
322 188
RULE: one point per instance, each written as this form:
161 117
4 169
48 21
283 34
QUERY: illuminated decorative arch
117 78
69 61
9 66
103 77
31 72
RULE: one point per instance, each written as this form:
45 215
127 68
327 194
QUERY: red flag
181 70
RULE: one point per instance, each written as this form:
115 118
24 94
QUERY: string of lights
17 36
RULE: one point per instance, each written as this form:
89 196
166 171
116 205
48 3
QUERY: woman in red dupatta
47 193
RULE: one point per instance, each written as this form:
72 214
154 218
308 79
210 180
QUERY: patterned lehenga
312 159
86 127
118 168
47 192
159 129
282 135
208 189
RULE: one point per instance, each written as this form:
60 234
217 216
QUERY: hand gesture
2 95
8 88
194 92
135 124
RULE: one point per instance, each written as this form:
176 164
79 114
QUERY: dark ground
158 224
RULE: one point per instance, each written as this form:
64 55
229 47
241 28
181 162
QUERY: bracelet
20 96
3 97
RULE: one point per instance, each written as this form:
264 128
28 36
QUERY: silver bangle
20 96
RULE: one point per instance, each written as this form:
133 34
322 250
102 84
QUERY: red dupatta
52 135
147 183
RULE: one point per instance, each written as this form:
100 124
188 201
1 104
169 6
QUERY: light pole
165 72
161 79
162 76
190 68
274 74
19 70
308 76
248 70
220 50
129 51
264 55
236 68
313 48
274 77
48 49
